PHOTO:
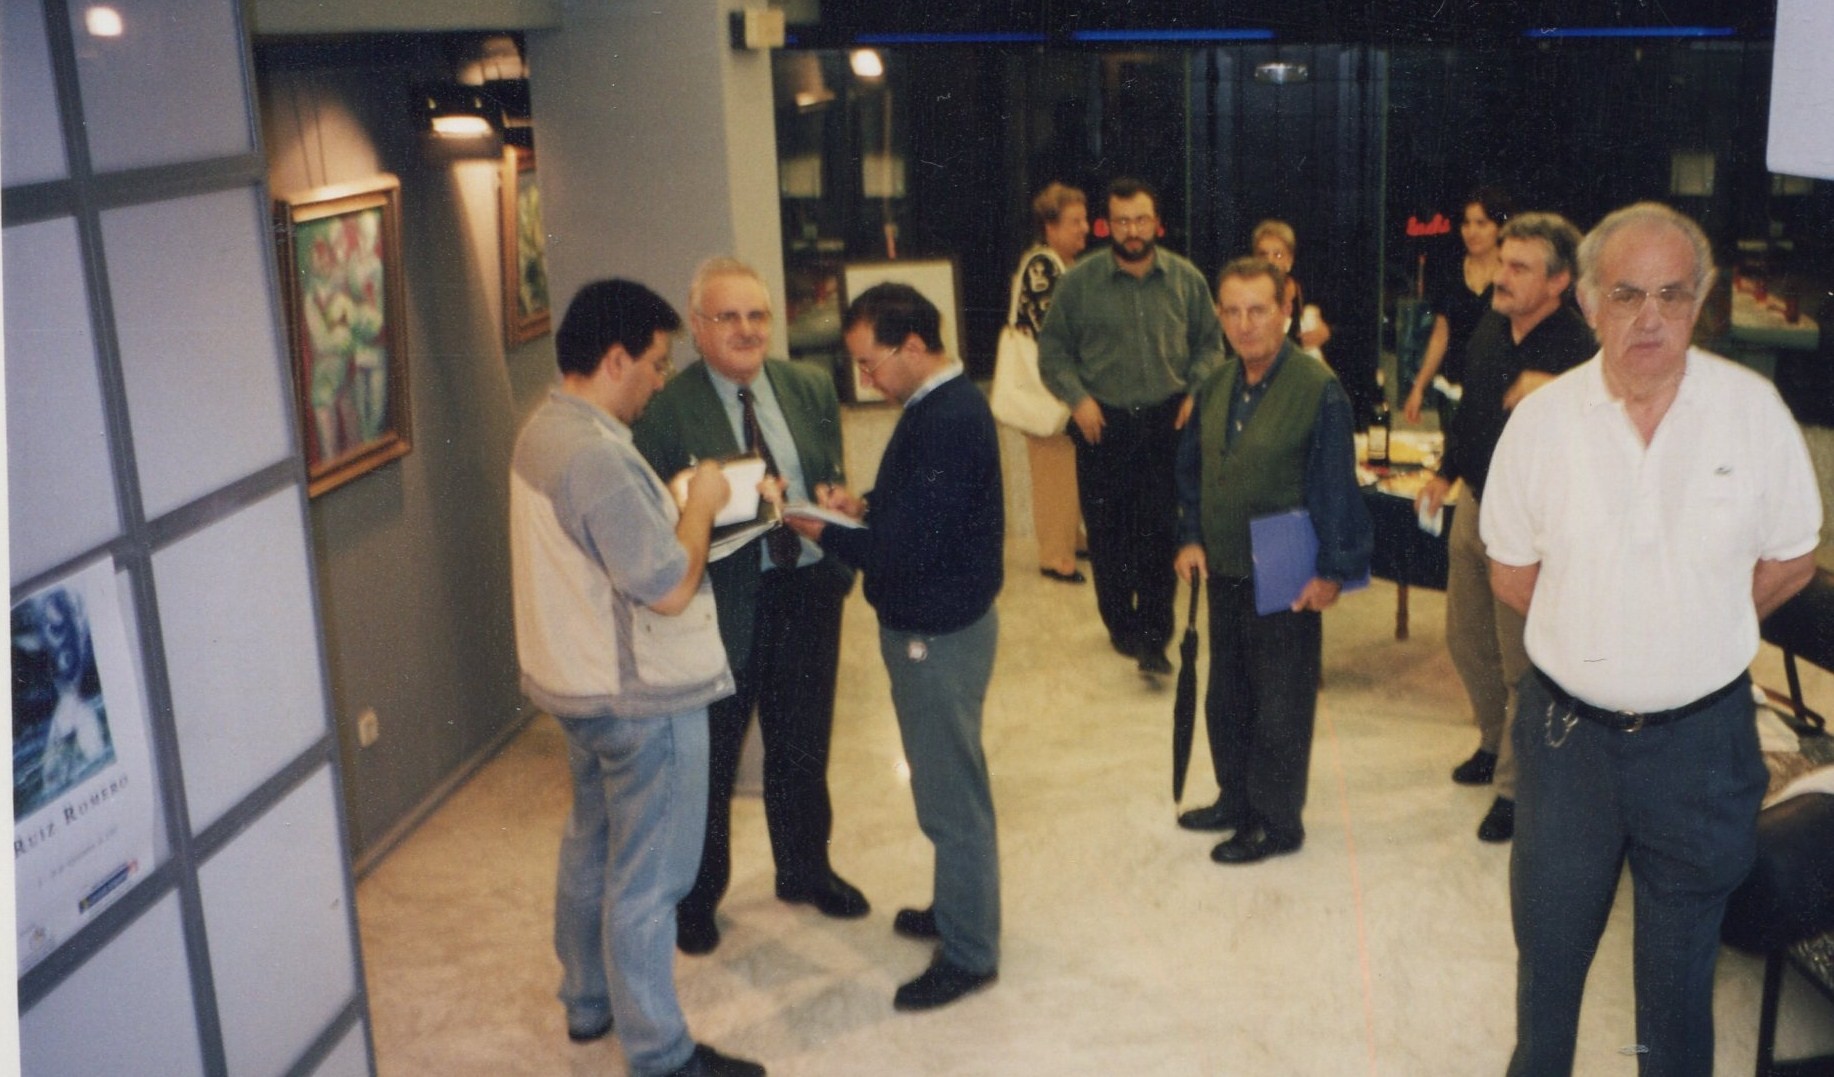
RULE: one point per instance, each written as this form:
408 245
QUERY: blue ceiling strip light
1112 36
1630 31
993 37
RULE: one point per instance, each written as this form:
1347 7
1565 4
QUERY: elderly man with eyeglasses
779 598
1643 511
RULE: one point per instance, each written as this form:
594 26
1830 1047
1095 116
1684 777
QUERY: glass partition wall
939 155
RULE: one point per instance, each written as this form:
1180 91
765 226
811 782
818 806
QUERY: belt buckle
1636 721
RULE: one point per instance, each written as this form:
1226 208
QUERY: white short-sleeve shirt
1643 599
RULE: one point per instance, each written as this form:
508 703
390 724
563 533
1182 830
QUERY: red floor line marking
1356 893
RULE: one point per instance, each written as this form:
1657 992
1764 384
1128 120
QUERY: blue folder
1285 549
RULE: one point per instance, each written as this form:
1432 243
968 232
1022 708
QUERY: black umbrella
1184 707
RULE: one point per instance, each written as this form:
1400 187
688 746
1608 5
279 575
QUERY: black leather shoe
1153 661
1477 770
696 933
706 1062
587 1035
1072 576
940 984
1500 822
1214 817
1247 847
1124 648
916 923
831 896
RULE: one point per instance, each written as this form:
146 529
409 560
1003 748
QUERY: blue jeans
1679 802
938 686
628 855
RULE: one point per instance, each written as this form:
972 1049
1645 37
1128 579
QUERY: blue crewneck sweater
931 550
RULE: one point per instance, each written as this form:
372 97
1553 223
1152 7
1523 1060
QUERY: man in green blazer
779 598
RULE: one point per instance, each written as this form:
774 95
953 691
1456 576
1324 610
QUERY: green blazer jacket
686 422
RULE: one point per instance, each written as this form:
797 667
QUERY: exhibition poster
83 798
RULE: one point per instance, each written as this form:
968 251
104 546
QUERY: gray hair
713 268
1644 214
1557 232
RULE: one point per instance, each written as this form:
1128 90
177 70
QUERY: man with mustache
1131 332
1528 336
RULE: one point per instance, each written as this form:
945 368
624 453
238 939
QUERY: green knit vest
1263 471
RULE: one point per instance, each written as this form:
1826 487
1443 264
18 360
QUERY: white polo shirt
1643 601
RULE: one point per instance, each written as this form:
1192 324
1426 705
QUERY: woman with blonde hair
1062 215
1275 241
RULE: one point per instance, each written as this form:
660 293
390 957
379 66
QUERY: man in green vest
1270 432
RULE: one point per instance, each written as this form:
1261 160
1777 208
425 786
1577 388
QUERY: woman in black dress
1459 294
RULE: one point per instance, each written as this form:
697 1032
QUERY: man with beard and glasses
1131 331
1529 335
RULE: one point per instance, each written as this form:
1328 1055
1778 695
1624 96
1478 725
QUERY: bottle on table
1378 435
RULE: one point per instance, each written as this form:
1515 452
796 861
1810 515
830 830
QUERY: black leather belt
1632 721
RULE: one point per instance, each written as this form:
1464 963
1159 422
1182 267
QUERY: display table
1404 553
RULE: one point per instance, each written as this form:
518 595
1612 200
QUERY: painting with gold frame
525 263
340 268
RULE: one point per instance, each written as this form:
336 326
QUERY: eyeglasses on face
1672 300
732 319
870 366
1143 223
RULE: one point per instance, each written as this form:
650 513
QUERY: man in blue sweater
931 556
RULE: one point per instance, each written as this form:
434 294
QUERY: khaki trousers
1056 513
1484 637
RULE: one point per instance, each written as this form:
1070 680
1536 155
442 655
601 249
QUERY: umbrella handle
1190 618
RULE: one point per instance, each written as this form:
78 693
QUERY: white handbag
1019 397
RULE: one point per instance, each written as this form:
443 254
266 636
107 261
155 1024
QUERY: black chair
1804 627
1796 847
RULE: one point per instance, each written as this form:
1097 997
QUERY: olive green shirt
1129 341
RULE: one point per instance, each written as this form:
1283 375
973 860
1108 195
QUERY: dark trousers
1679 802
1130 507
1261 704
789 678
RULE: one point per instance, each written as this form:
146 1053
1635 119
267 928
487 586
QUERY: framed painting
936 278
525 263
340 264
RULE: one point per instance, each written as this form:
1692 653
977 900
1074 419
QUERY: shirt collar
954 369
1593 371
1157 270
728 389
613 425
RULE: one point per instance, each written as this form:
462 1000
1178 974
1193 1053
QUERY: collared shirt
1129 341
1494 360
1331 493
1643 597
776 433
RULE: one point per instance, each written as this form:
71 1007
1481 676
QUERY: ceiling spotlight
867 64
103 21
1280 73
455 111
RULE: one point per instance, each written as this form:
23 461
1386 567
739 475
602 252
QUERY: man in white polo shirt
1644 511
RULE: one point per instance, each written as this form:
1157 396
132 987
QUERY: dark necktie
785 548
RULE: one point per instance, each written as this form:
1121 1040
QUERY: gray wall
413 558
658 147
